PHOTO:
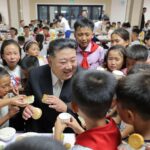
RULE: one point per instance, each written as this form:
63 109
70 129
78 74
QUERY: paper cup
64 117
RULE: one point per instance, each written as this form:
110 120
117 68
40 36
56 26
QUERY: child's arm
75 125
12 111
59 128
17 101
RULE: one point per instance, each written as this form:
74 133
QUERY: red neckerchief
84 63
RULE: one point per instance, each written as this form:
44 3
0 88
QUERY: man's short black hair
133 92
93 92
60 44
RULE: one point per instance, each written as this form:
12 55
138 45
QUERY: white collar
55 78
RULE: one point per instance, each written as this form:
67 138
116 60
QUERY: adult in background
65 25
143 18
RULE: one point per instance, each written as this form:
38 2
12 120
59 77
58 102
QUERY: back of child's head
147 37
3 72
121 50
36 143
133 93
137 52
84 22
93 92
29 62
21 40
136 31
139 68
4 45
123 33
40 38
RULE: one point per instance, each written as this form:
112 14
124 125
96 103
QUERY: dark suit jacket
39 83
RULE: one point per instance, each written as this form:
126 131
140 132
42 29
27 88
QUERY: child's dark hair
139 68
28 44
123 33
84 22
16 31
147 37
3 72
6 43
40 38
121 50
93 92
29 62
21 40
36 143
46 28
133 92
60 44
137 52
136 31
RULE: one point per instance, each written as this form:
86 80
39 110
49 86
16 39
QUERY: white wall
4 11
118 10
25 11
147 5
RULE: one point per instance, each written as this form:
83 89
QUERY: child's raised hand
72 123
18 101
59 128
13 110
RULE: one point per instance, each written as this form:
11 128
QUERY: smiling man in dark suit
62 66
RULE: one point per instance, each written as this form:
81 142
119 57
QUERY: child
147 40
136 54
92 96
115 58
31 48
11 56
120 37
135 36
89 54
133 102
27 64
5 88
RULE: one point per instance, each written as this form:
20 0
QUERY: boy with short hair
133 102
89 54
136 54
92 96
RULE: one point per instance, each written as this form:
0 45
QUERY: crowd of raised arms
99 72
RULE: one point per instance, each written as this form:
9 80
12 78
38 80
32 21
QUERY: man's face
64 63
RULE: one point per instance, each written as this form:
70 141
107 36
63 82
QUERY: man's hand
28 112
56 103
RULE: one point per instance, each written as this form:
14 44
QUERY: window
71 12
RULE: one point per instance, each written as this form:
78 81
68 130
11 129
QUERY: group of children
93 91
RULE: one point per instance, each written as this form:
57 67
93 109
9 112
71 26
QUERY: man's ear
74 107
49 59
